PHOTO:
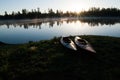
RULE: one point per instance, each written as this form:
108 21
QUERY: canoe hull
86 46
70 45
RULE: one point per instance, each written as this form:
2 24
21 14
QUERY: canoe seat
82 41
66 40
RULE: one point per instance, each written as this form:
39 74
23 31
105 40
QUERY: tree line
36 13
103 12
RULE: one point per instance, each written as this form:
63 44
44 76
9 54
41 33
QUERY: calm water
16 32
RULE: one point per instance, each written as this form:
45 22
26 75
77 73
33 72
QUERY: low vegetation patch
48 59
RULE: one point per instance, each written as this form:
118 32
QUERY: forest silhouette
36 13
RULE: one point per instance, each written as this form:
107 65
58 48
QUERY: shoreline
57 19
4 43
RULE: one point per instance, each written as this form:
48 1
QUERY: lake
23 31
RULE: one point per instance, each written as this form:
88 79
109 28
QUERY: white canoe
84 44
67 42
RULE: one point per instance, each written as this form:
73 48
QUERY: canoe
68 43
84 44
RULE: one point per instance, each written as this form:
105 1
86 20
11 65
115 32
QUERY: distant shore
12 21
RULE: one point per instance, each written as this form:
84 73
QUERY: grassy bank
48 59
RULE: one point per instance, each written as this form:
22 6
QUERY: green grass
50 60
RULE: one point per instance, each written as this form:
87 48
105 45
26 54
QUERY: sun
77 6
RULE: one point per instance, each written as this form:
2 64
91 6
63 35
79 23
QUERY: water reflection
23 31
59 22
100 22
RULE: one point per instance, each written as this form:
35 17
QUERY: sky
64 5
